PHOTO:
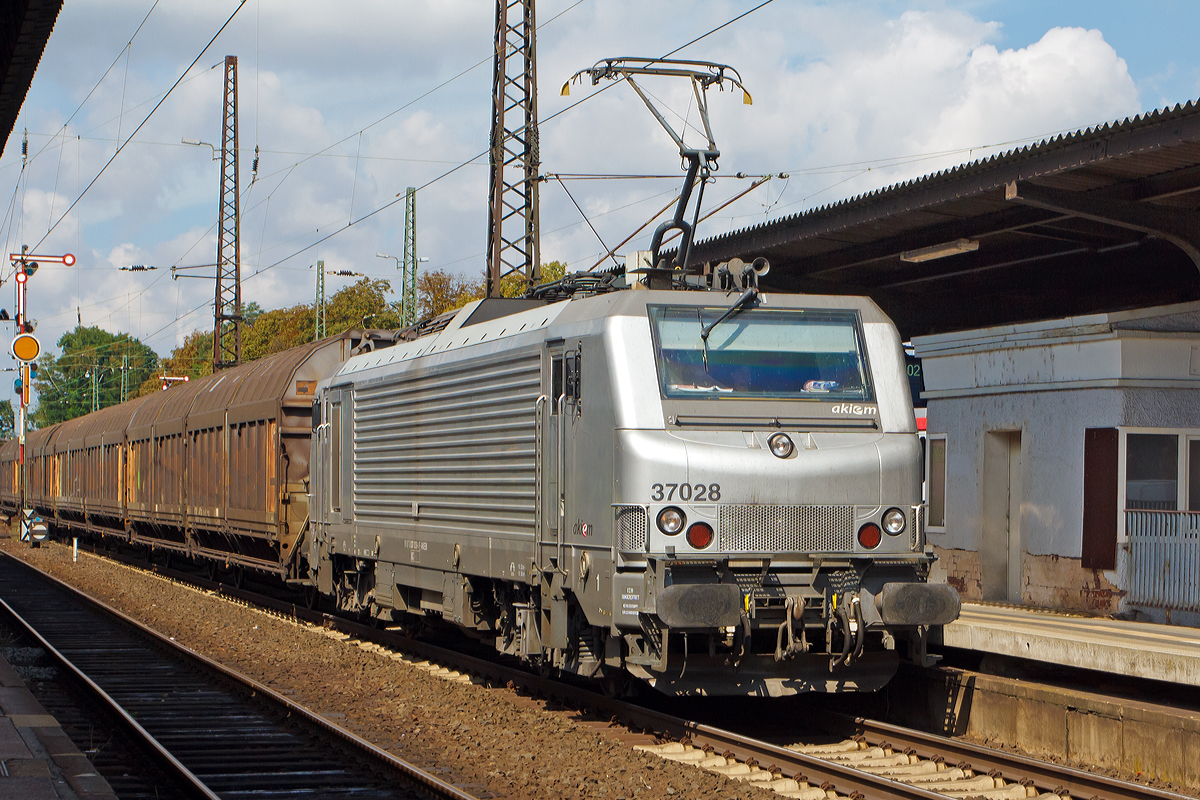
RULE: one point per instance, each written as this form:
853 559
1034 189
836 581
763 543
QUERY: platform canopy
25 27
1103 219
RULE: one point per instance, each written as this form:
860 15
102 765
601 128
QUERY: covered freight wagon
214 468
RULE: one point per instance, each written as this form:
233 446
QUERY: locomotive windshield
815 354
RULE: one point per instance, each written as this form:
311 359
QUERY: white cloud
833 85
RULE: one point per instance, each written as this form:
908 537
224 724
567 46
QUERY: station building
1063 462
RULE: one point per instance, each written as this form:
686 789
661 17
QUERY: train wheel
312 598
213 571
239 578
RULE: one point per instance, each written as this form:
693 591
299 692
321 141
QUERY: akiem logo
849 408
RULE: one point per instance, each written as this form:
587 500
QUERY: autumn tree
192 359
439 291
276 331
363 304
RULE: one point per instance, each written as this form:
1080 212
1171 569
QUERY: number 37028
687 492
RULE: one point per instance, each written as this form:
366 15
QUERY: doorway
1000 549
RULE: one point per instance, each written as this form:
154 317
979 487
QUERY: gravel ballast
488 741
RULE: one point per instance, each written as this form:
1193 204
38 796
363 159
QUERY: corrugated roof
25 27
1028 255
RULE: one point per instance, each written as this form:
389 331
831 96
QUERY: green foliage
251 312
193 358
514 285
361 305
65 386
8 420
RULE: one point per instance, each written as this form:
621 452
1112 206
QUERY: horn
760 266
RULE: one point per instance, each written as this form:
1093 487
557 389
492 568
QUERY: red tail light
700 535
869 535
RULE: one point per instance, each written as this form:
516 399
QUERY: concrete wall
1129 738
1135 738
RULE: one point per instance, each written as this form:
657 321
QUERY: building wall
1052 425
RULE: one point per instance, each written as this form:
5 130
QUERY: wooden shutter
1099 499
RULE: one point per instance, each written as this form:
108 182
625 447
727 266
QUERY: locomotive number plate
686 492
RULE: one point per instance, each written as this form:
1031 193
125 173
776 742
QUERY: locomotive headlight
671 520
894 521
781 445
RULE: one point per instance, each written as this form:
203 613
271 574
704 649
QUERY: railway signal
25 348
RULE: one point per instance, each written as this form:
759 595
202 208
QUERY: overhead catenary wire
400 196
115 61
141 124
599 238
352 221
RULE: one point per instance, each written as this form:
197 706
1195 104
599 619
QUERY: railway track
870 760
115 755
215 733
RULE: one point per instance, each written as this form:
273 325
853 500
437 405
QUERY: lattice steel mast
408 273
513 189
227 311
319 304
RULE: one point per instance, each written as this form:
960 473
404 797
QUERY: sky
350 102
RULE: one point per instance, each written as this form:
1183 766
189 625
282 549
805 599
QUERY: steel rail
188 782
842 779
1010 765
408 770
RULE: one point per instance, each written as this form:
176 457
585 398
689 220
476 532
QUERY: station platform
38 761
1138 649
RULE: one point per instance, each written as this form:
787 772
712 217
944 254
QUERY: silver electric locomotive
714 494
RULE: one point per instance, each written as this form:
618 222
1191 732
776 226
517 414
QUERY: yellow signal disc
26 347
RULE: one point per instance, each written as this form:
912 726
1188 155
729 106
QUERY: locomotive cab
768 521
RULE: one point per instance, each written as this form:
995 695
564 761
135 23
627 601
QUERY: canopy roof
1098 220
25 27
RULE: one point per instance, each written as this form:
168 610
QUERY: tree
514 285
251 312
8 420
439 291
362 305
65 384
192 359
264 333
277 330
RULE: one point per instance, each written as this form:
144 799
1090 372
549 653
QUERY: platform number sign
916 379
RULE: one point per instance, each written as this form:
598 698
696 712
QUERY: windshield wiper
747 296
